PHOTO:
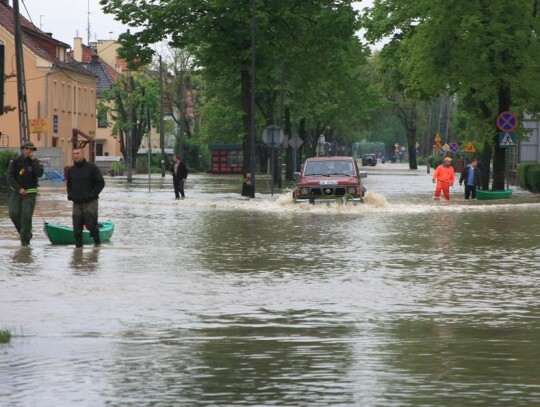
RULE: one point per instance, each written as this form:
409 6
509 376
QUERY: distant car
369 160
327 178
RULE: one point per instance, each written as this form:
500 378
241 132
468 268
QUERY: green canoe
64 235
483 195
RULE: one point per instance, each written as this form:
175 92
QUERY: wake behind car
329 178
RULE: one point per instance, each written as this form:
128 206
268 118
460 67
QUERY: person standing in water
471 176
84 184
179 173
23 174
444 177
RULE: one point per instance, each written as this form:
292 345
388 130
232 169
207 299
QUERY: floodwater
220 300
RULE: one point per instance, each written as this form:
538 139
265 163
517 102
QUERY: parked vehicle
369 160
327 178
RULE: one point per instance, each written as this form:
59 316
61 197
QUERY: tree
484 51
323 85
127 101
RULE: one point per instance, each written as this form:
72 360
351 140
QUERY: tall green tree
313 40
127 101
487 52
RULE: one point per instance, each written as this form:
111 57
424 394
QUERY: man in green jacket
23 174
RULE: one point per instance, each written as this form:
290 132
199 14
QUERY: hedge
528 177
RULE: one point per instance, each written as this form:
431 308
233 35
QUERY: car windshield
329 168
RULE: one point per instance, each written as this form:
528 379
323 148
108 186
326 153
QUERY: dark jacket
24 173
84 182
181 172
465 174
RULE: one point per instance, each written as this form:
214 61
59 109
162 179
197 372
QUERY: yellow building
61 94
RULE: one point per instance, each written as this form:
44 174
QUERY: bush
5 336
528 177
5 157
534 179
435 160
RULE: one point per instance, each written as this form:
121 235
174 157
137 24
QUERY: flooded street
223 300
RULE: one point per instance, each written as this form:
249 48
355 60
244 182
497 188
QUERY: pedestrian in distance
84 183
23 174
471 176
179 173
444 177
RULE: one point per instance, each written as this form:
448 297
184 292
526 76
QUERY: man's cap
447 159
29 145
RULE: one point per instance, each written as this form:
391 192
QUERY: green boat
484 195
64 235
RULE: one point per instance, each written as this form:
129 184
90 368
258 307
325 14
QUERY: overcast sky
66 19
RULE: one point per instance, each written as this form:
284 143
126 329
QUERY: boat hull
58 234
485 195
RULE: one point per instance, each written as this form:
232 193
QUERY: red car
329 178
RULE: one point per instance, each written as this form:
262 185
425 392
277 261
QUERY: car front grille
328 191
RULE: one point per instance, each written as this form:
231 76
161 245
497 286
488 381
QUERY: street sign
39 125
507 140
438 138
507 122
273 136
469 148
295 141
454 147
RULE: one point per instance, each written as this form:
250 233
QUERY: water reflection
221 300
236 359
85 259
451 364
22 256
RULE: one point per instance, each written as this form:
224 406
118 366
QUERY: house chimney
77 49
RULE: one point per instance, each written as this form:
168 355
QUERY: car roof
335 158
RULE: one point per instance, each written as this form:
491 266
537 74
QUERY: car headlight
304 191
351 190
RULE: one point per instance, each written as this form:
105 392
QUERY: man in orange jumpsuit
444 176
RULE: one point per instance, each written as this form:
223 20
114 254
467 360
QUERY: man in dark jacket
84 184
23 174
179 172
472 178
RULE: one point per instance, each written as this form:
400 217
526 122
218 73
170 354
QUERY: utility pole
24 130
252 150
129 135
161 123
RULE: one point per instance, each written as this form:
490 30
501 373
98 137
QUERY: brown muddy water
223 300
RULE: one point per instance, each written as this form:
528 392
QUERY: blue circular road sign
507 122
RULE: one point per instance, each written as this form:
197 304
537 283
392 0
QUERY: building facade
61 94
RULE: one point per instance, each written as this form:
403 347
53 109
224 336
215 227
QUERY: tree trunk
411 145
484 165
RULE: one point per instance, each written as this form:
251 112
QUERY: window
99 149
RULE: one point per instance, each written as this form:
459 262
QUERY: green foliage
325 82
5 157
118 166
534 179
5 336
155 164
528 177
485 52
130 97
435 160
